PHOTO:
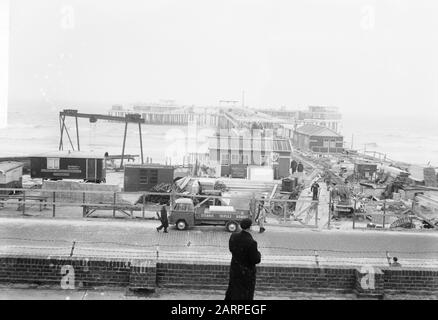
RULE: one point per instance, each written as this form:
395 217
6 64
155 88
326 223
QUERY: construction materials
146 177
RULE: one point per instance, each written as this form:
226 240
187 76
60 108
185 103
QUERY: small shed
365 170
318 139
146 176
11 175
73 165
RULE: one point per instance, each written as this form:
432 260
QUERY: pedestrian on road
293 166
163 219
245 257
300 167
315 190
261 216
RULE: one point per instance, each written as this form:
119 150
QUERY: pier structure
329 117
170 115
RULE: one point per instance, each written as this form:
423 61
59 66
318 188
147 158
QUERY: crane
93 118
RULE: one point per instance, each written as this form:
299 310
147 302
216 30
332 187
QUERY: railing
160 251
278 211
54 199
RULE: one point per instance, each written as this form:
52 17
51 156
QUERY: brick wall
411 281
80 272
294 278
148 274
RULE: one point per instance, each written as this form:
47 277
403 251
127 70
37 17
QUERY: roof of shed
70 154
314 130
9 165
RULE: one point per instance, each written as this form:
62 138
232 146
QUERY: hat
246 223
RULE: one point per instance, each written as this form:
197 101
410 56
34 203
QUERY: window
245 159
235 158
53 163
153 176
225 159
183 207
143 180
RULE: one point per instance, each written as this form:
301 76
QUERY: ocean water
29 132
412 139
34 132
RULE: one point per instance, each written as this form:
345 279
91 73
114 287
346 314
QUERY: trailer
184 214
11 176
67 165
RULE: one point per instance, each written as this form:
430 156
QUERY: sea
33 131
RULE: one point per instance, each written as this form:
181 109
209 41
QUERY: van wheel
232 226
181 225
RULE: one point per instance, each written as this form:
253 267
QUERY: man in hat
245 256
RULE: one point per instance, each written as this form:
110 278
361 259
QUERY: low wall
75 273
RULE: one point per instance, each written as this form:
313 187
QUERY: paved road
97 237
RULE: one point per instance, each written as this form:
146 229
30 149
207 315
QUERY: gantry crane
128 118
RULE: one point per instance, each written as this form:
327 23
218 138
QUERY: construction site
322 205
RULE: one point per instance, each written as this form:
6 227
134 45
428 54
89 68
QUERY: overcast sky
377 56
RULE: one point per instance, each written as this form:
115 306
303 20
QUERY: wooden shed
72 165
146 176
318 139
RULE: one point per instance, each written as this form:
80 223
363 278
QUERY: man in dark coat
243 264
315 191
164 220
293 166
300 167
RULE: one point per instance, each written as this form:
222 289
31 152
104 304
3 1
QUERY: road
127 238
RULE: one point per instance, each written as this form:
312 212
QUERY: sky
362 56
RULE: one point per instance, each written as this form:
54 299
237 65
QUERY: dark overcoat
243 266
163 217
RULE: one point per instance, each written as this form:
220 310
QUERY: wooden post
284 211
330 210
62 123
124 144
144 205
316 213
384 212
77 134
114 205
141 143
53 204
24 202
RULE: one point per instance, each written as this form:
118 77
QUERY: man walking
300 167
315 190
163 219
261 215
293 166
245 256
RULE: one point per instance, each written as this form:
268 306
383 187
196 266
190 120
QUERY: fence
280 210
201 253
